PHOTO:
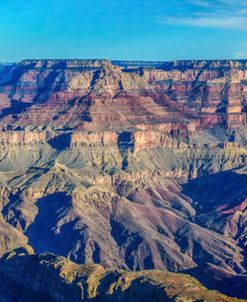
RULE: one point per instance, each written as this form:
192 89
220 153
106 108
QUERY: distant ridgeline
179 64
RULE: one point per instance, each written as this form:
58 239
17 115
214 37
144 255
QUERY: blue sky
126 29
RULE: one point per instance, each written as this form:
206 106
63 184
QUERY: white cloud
231 22
229 14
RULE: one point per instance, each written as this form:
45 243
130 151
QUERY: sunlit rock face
50 278
100 95
133 165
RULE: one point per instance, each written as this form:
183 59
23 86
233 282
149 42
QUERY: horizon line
123 60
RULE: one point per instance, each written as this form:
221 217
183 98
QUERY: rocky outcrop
36 277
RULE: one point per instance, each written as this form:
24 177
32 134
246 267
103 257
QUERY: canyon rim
123 180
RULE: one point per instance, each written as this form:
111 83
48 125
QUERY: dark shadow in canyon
44 234
15 108
125 144
61 142
208 192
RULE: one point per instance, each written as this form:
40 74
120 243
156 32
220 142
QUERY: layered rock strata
130 165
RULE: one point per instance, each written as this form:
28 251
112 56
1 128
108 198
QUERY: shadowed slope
56 279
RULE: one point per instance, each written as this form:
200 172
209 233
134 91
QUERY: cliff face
53 279
134 165
99 95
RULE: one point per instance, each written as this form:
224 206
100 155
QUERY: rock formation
129 165
49 278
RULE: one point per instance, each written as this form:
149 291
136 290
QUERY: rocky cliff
100 95
53 279
130 165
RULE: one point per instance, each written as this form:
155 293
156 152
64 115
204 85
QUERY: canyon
31 278
126 166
